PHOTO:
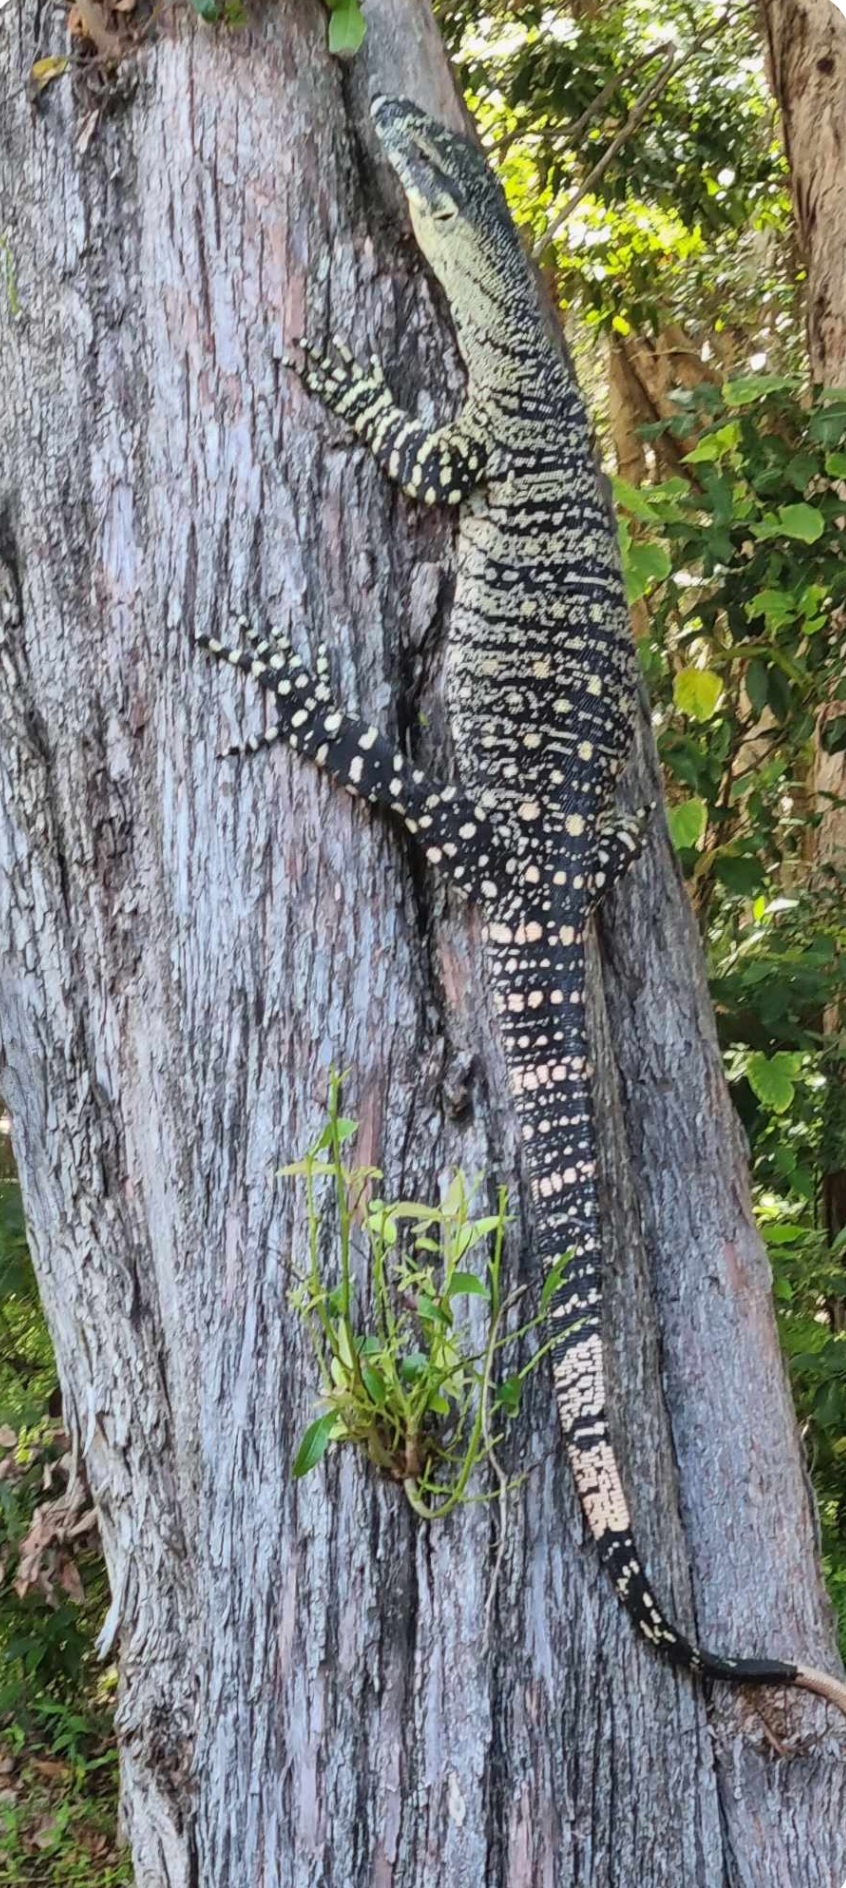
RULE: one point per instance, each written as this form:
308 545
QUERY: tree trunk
309 1691
807 63
807 59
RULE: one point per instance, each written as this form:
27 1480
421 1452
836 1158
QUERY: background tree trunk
807 60
807 64
309 1694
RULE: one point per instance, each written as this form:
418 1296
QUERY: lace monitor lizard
541 694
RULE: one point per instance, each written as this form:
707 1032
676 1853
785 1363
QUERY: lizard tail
580 1391
546 1048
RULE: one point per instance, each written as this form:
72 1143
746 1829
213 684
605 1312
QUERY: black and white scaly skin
541 695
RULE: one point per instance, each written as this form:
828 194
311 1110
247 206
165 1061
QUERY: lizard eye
444 216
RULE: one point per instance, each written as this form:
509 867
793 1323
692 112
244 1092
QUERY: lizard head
458 211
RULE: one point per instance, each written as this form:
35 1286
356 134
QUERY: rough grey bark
309 1694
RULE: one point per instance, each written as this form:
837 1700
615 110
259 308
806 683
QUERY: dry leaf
89 126
45 71
70 1580
85 1526
96 29
49 1767
8 1437
42 1556
45 1836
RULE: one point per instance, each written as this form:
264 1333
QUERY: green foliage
683 196
58 1775
57 1825
412 1384
743 649
810 1287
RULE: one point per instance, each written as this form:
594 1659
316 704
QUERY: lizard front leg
456 835
440 467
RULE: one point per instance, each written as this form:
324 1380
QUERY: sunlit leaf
801 521
696 692
45 71
687 822
346 28
771 1079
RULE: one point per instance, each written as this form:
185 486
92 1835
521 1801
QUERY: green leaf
508 1396
713 445
771 1078
687 822
801 469
696 692
374 1385
344 1346
835 465
456 1196
428 1310
828 426
777 606
749 387
635 501
643 565
413 1366
756 684
801 521
741 873
466 1285
346 29
314 1444
779 697
834 735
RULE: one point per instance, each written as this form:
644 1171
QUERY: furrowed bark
311 1692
